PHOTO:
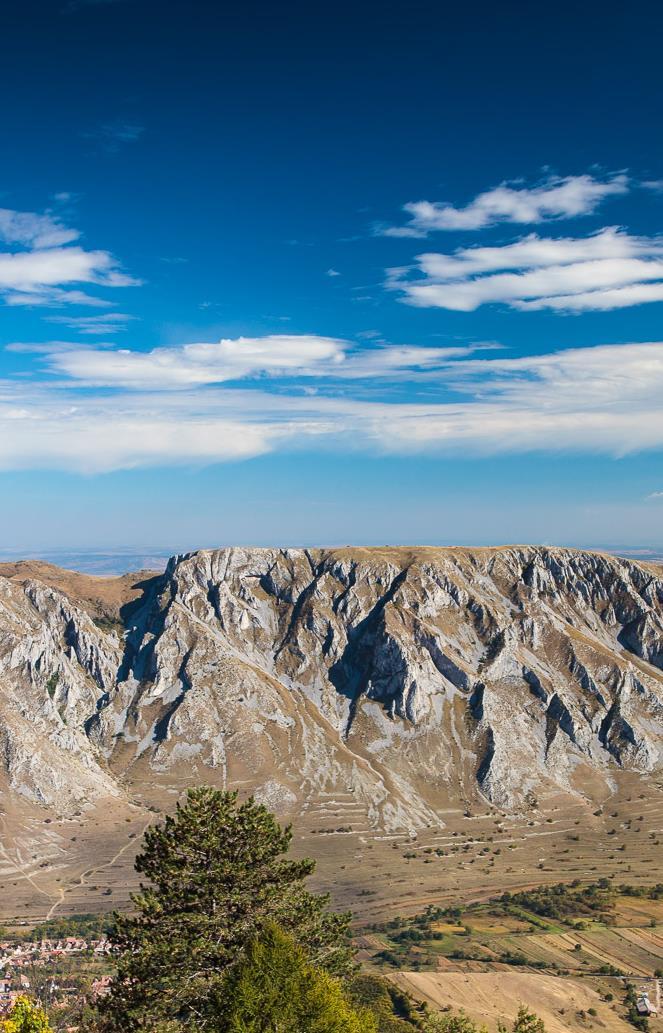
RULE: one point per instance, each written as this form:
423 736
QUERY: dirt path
24 875
84 876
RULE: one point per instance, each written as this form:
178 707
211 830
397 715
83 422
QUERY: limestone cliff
391 674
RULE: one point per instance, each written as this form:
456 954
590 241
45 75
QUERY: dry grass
488 997
362 869
100 597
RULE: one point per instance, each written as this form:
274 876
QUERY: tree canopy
525 1022
275 990
25 1017
218 875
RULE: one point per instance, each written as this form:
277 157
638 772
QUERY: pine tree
275 990
217 874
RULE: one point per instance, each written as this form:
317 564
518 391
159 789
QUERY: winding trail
82 880
22 872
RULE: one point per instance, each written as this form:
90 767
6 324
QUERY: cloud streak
601 400
199 364
302 357
555 198
607 270
104 324
112 136
33 230
49 268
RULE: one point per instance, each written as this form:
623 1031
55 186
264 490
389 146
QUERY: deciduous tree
457 1022
25 1017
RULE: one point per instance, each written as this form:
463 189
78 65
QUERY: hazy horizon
112 562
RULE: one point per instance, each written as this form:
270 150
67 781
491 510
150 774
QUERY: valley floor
56 867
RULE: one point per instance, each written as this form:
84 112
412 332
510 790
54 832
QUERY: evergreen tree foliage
275 990
25 1017
393 1010
217 876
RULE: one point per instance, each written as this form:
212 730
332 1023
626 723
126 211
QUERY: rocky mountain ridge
399 676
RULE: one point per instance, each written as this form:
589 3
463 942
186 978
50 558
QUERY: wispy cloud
100 410
555 198
98 435
50 268
656 495
33 230
112 136
48 347
197 364
107 323
275 356
610 269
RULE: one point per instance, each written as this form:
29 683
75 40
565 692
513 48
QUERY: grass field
584 940
488 997
85 863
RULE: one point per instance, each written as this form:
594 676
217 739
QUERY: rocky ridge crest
392 674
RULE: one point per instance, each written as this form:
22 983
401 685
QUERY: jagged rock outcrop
391 674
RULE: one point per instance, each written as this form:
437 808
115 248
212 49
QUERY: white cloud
50 267
534 252
555 198
97 437
53 297
32 270
604 400
617 297
610 269
594 400
33 230
194 364
656 495
603 376
277 355
48 347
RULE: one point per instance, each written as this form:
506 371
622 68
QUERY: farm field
505 933
557 949
489 997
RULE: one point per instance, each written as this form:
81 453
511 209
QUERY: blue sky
368 273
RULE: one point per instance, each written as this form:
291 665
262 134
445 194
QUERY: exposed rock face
390 674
